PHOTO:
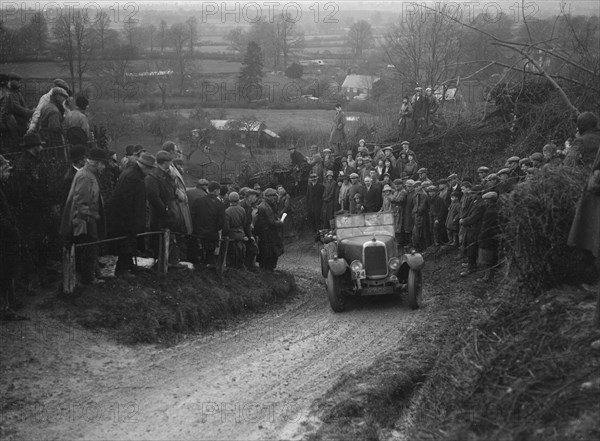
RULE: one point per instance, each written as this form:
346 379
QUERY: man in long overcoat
208 217
83 218
268 229
338 136
314 202
126 210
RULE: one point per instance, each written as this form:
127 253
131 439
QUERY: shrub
537 217
294 70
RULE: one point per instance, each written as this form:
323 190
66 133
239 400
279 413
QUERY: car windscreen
380 224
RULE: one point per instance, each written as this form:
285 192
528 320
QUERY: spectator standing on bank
14 114
585 146
208 216
471 222
45 99
405 115
160 191
338 136
248 204
83 218
314 202
488 242
51 118
235 219
268 229
77 119
329 193
77 153
452 225
126 211
419 107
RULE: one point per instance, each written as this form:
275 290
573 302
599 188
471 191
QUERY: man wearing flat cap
314 202
249 205
14 114
76 122
161 193
51 118
482 172
208 215
488 239
471 223
45 99
126 211
269 229
338 136
77 154
83 218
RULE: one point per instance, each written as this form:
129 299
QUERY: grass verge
161 309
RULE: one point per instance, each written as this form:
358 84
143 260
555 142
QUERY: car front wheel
334 293
415 289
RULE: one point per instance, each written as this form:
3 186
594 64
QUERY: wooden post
163 252
68 267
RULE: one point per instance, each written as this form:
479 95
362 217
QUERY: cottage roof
360 81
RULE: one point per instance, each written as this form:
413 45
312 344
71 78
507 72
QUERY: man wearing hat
386 205
51 118
421 232
330 188
585 146
315 161
199 191
268 228
482 172
471 223
77 154
208 215
77 120
248 204
45 99
431 108
314 202
488 235
161 193
14 113
406 220
419 106
514 171
438 211
328 162
524 164
83 218
372 199
338 136
235 221
10 245
126 211
422 173
505 185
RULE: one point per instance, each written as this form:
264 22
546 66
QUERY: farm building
250 134
355 85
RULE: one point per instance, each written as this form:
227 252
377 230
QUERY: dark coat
585 230
268 229
283 205
490 229
126 210
66 184
51 119
472 220
314 197
208 217
194 194
160 191
235 222
248 221
453 216
373 198
584 148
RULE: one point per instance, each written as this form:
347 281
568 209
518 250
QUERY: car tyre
335 293
415 289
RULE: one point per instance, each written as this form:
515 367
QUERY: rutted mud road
256 380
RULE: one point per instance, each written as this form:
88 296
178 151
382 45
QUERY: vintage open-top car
361 257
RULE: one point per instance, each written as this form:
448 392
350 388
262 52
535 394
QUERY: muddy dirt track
255 380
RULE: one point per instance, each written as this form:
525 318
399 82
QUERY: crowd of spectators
457 211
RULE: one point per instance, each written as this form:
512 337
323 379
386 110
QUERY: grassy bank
485 365
162 309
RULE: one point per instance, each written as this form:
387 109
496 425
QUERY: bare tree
72 33
360 37
37 32
101 29
237 40
179 36
192 25
151 33
290 39
424 50
130 28
163 35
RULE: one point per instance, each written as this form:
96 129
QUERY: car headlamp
394 263
356 265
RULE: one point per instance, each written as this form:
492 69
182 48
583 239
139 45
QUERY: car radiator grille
375 261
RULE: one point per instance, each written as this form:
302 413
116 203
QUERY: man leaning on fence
83 218
126 211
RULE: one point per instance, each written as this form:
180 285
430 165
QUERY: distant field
53 70
315 121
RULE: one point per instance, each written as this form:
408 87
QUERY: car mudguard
415 261
337 266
